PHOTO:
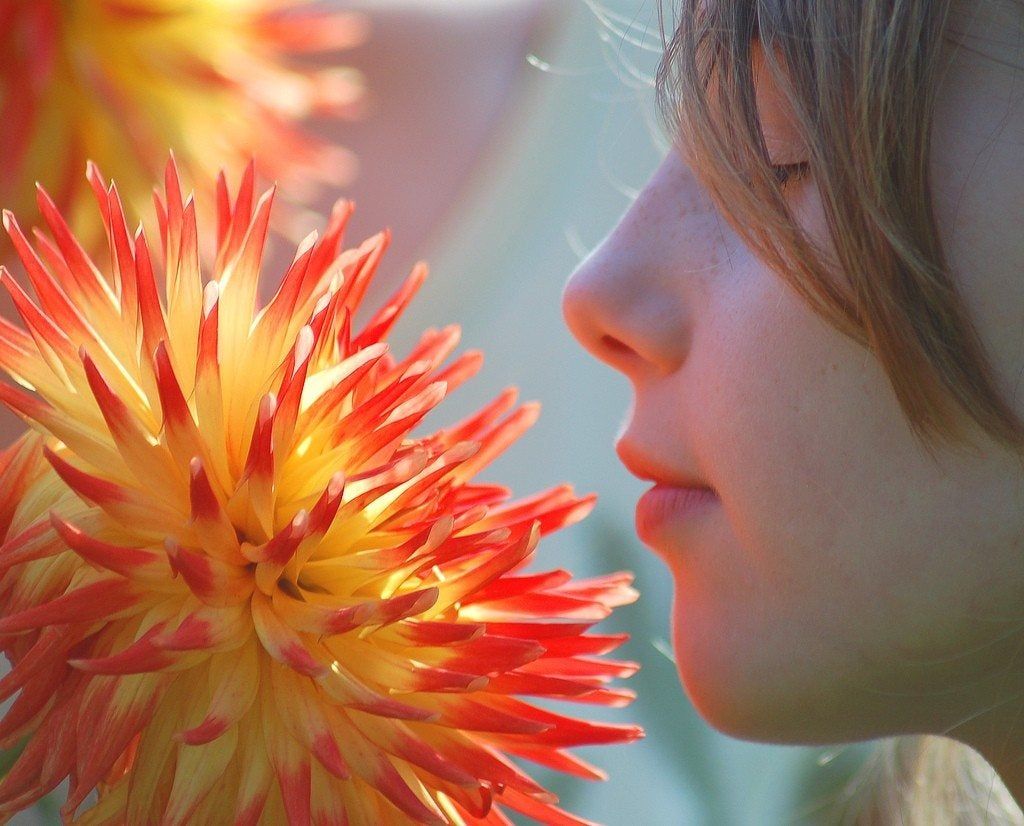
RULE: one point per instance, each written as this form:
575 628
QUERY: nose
630 303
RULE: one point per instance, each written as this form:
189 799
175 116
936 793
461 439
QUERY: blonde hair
860 80
926 781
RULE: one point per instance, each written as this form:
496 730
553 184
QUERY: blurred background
503 139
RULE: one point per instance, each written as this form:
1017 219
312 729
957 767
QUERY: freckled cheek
800 573
768 610
781 445
756 426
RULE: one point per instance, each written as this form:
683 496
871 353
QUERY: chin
727 708
742 690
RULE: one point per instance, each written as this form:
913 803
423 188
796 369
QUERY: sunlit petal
233 581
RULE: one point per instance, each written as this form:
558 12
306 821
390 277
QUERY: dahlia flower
121 81
234 586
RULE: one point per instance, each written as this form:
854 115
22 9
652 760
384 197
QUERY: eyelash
784 173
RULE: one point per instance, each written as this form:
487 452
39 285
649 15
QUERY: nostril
616 346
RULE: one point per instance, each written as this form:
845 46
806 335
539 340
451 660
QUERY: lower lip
665 506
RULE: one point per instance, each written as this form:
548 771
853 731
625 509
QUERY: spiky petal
232 580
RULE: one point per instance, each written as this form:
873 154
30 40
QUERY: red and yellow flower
234 586
122 81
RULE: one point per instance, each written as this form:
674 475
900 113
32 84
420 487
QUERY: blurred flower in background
121 82
234 583
424 127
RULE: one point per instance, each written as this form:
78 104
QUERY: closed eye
788 172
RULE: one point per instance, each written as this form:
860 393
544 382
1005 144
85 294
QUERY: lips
642 464
678 498
666 511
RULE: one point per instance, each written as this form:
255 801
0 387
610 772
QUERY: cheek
839 549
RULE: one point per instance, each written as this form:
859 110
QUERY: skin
844 586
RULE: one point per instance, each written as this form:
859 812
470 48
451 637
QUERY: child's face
842 585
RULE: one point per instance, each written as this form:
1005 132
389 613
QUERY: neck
1005 753
996 732
981 703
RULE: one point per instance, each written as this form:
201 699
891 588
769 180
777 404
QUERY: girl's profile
818 302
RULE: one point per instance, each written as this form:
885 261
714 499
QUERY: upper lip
643 466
